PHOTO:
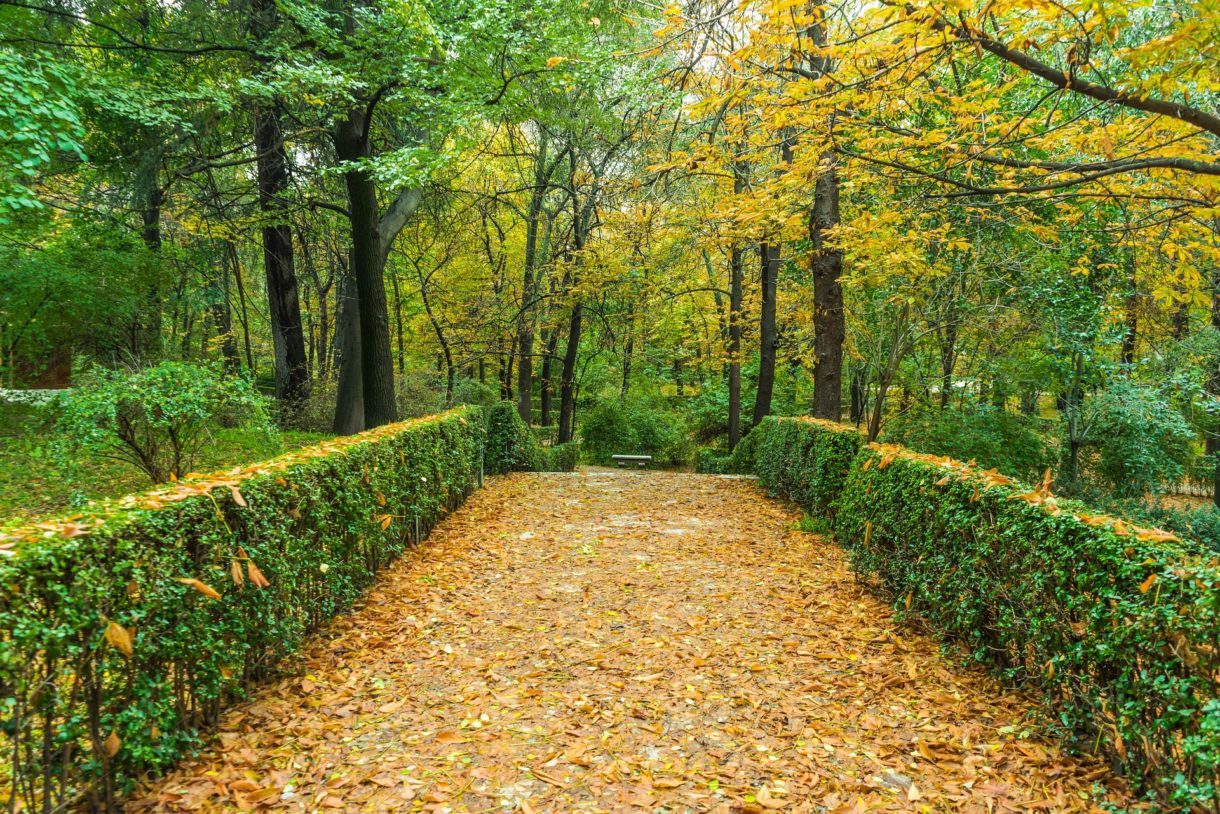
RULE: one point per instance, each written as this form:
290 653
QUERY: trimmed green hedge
1117 626
805 459
125 631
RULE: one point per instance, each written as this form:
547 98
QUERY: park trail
598 642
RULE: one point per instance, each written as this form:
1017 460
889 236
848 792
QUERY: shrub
805 459
989 435
1114 623
633 428
1141 441
510 444
156 419
116 652
710 461
561 457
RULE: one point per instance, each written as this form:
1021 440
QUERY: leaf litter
628 642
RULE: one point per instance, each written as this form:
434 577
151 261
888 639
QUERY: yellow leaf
1148 583
206 590
553 61
238 498
120 637
235 572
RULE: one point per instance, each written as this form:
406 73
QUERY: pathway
627 642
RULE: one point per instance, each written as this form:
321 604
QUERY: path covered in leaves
627 642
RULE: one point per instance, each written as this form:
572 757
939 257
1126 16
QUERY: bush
114 655
805 459
510 444
1141 441
561 457
633 428
159 418
988 435
710 461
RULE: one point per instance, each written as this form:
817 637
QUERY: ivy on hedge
1117 626
115 653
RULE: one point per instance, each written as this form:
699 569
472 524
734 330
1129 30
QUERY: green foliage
709 461
156 419
632 427
39 120
511 446
1142 442
991 436
561 457
742 460
317 525
805 459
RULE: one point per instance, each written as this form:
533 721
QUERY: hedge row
124 632
1117 626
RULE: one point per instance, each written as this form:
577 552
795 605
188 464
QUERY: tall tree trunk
768 338
376 358
567 376
1127 353
828 318
736 273
271 161
829 324
628 348
349 398
148 344
551 341
529 283
287 331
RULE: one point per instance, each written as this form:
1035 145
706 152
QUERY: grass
35 482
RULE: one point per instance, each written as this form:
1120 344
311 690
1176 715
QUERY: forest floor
628 642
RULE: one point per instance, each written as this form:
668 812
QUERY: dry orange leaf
201 587
120 637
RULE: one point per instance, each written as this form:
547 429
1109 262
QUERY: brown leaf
238 498
235 572
256 576
120 637
112 745
201 587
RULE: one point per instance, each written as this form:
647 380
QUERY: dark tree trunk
148 333
376 359
859 395
736 273
287 332
222 318
828 317
1127 354
768 338
349 401
551 341
529 283
567 377
628 349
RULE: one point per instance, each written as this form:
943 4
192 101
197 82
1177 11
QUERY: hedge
1117 626
805 459
125 631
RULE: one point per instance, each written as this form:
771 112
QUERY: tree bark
376 359
349 399
828 318
736 273
551 341
567 377
529 283
768 338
